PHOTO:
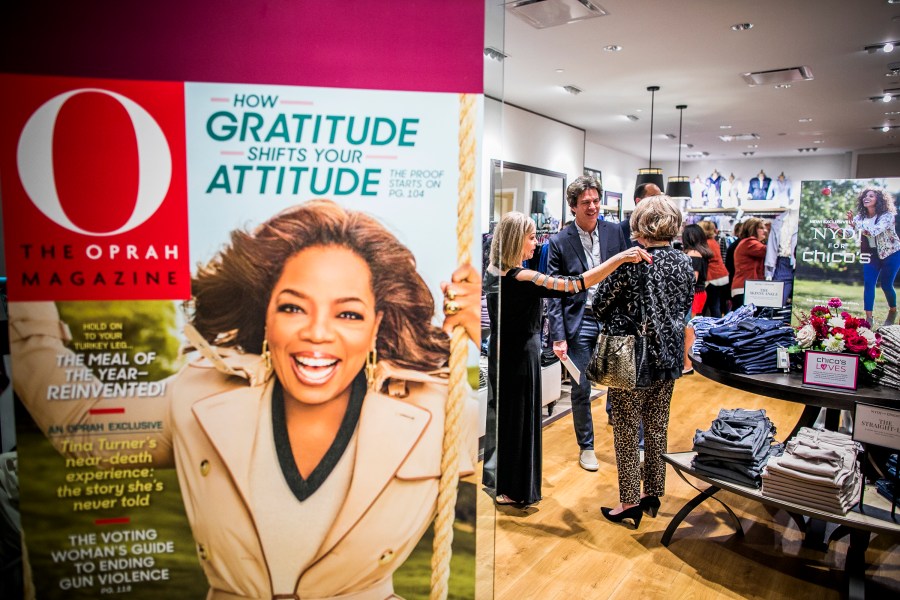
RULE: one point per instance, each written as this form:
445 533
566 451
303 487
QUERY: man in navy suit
584 243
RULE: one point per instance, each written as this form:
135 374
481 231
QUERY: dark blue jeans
580 349
887 268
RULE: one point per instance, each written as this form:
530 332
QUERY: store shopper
693 241
514 303
717 290
874 219
749 257
661 292
583 244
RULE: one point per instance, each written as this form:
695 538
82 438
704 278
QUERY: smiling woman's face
321 323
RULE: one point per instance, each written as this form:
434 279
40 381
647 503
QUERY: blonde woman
514 304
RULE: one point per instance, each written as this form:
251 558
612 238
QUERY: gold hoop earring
371 363
267 356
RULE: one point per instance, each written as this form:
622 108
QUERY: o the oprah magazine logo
101 210
99 177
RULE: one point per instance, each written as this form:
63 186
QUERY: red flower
835 303
820 311
820 326
874 353
851 322
856 343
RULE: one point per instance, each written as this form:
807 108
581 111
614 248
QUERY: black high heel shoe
650 505
635 513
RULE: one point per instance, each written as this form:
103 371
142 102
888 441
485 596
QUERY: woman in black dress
660 293
514 304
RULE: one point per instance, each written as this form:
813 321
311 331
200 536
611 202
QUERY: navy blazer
566 257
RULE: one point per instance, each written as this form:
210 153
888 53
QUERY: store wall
523 137
619 170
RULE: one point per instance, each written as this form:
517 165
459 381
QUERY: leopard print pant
629 408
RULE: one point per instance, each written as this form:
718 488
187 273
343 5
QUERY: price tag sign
768 294
831 369
877 425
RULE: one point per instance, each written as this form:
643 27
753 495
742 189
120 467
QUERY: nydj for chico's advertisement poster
225 312
848 247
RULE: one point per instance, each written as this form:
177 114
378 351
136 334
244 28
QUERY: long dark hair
231 292
884 202
694 238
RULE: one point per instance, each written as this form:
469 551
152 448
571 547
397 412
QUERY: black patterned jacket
665 290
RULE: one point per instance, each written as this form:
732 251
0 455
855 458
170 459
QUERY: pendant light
679 186
651 174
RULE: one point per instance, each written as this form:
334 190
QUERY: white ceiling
688 48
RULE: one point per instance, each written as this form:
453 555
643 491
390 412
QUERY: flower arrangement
829 331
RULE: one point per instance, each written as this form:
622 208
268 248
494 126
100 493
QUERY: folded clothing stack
890 351
747 346
736 446
818 469
888 487
702 325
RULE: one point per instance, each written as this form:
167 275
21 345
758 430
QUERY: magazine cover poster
239 436
848 247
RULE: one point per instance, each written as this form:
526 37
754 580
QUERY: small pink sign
831 369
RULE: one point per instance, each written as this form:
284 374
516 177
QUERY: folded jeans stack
702 325
736 446
747 346
818 469
888 487
890 351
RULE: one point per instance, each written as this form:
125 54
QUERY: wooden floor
562 548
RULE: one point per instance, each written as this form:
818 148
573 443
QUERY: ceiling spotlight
884 47
782 86
818 141
886 98
724 126
893 112
805 120
495 54
748 153
613 48
572 89
560 70
886 128
807 149
632 118
741 26
670 136
753 145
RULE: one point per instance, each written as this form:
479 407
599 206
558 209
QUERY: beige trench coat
209 424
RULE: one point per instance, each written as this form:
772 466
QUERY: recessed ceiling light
724 126
818 141
574 90
782 86
741 26
560 70
886 98
639 110
631 118
807 149
806 120
753 145
893 112
889 47
670 136
748 153
613 48
886 128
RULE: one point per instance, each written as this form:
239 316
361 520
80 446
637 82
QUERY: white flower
836 322
868 334
806 336
833 344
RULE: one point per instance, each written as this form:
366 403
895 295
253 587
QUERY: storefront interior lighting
494 54
883 47
651 174
680 185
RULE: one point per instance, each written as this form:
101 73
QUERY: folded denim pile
890 351
702 325
747 346
736 446
888 487
818 469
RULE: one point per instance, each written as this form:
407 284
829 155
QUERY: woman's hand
635 254
462 302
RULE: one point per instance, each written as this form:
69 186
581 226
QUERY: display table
876 517
790 387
